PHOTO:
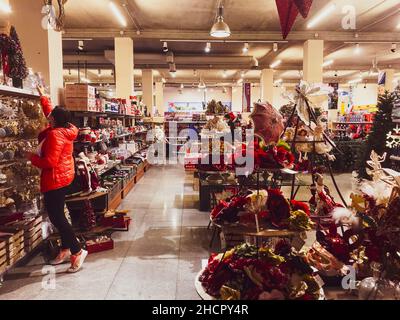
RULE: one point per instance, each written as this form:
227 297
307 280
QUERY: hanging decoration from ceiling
289 10
56 21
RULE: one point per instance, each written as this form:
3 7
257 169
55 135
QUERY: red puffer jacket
56 160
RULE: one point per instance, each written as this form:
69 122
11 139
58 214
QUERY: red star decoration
289 10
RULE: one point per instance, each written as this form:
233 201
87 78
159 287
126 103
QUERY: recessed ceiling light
207 49
357 49
118 14
327 63
275 64
220 29
322 15
245 47
5 7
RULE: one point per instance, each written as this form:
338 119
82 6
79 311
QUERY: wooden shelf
349 123
87 197
16 92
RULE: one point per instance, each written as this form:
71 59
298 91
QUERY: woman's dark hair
61 116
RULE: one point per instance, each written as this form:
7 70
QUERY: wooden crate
14 244
32 229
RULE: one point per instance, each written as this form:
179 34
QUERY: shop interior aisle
158 258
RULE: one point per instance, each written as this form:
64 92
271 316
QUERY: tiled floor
157 259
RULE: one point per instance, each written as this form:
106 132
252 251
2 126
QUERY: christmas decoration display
214 107
366 235
271 207
289 10
381 127
250 273
12 59
18 70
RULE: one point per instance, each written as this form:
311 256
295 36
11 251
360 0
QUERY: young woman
55 160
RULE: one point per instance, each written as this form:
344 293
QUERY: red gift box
94 247
117 222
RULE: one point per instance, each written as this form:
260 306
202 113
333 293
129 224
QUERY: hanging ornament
288 11
268 122
393 138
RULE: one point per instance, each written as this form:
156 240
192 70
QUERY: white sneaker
77 261
63 256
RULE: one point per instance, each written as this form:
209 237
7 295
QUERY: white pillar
237 98
148 89
267 85
390 84
313 60
42 48
160 97
124 65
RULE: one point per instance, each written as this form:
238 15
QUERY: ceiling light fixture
327 63
245 47
202 85
165 46
321 16
5 7
393 48
173 74
182 86
118 14
207 49
275 47
172 68
224 74
355 81
357 49
242 74
374 71
99 73
220 29
275 64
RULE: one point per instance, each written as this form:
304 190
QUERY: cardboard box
81 104
80 91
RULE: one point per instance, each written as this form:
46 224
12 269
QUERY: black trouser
54 202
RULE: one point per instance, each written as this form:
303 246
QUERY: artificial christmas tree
17 65
376 140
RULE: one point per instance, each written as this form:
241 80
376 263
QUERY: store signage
246 97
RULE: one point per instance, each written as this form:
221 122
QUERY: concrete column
124 65
148 89
267 85
42 47
313 60
237 98
160 97
390 84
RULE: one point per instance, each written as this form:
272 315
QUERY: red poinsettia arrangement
250 273
267 156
